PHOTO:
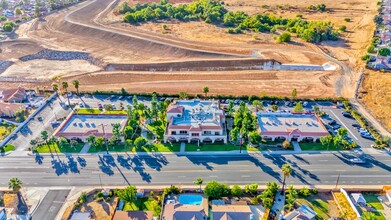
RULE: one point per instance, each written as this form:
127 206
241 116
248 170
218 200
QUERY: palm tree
44 136
15 184
76 85
368 216
205 90
65 88
199 182
286 171
55 87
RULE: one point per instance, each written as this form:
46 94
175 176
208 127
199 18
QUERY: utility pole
100 180
336 184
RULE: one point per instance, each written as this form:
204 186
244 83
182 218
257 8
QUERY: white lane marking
246 176
344 125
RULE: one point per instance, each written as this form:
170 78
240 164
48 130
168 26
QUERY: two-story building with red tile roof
195 121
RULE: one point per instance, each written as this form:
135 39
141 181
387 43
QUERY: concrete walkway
278 206
296 147
85 148
183 147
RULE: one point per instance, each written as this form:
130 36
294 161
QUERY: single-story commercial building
290 126
195 120
83 125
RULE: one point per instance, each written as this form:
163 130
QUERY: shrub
251 188
314 191
216 190
151 193
366 57
284 37
286 144
347 19
342 28
304 192
236 191
171 190
371 48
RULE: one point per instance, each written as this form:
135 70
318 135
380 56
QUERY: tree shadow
104 167
38 158
72 165
22 206
82 161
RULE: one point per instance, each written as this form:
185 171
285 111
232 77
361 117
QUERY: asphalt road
157 170
50 205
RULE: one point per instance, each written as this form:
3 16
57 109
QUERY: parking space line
344 125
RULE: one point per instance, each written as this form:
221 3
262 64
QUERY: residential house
81 216
10 109
290 126
195 121
302 213
133 215
14 95
184 212
359 199
228 212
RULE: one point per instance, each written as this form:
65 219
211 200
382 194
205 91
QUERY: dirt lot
376 95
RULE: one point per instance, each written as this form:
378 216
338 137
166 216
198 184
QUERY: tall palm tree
76 85
15 184
286 171
199 182
65 88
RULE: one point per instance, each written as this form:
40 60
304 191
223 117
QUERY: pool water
188 199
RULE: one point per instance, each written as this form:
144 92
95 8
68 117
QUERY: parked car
347 114
112 96
81 105
100 106
340 105
357 160
356 126
287 103
121 97
40 118
336 127
305 104
332 122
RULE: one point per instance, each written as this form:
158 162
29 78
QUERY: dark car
356 125
347 114
332 122
336 126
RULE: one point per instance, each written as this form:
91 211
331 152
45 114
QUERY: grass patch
319 206
89 111
212 147
317 146
6 129
143 204
346 208
6 148
122 147
52 148
373 202
98 111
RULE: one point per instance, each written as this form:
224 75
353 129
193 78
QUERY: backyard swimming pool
190 199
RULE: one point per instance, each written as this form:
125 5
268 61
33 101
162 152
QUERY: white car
305 104
357 160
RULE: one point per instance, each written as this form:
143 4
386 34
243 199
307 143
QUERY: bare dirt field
376 95
94 27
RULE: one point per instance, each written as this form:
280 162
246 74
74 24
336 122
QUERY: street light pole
336 184
240 140
104 137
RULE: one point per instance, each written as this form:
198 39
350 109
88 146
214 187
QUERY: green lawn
158 130
373 202
319 206
318 146
159 147
98 111
217 147
7 147
63 149
144 204
5 129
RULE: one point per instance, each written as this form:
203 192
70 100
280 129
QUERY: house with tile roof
10 109
228 212
14 95
133 215
290 126
184 212
302 213
195 121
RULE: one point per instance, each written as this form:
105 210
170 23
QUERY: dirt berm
199 65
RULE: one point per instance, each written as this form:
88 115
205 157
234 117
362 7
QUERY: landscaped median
55 148
157 147
217 147
317 146
6 148
345 208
